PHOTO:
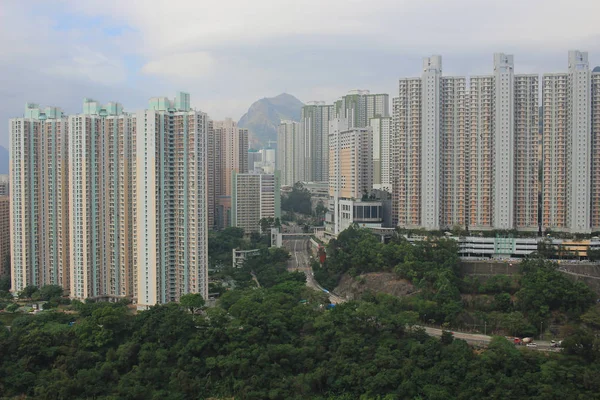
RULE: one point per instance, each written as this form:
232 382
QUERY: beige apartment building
110 204
350 170
227 146
571 159
456 156
100 202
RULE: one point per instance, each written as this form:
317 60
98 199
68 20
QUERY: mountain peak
264 115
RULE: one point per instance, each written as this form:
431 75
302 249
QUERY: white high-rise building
504 141
314 125
291 153
430 139
571 162
171 201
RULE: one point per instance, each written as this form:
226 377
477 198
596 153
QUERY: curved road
300 261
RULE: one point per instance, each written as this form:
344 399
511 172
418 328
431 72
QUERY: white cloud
189 24
89 65
182 65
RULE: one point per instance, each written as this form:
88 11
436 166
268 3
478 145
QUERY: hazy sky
228 53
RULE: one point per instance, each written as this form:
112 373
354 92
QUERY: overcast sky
229 53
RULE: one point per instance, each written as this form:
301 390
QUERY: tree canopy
298 200
275 343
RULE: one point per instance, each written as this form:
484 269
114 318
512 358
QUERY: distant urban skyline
56 52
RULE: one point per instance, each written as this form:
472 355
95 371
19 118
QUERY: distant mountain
3 160
264 115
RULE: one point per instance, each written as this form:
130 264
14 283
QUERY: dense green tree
48 292
192 301
545 289
28 292
298 200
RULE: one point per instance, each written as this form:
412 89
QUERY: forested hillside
274 343
282 341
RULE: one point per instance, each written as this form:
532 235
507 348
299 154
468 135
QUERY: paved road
484 340
300 261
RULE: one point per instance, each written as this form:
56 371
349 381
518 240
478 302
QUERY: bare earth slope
384 282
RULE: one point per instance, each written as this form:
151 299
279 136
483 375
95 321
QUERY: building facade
314 125
456 157
570 195
39 204
291 153
4 236
359 106
382 152
350 171
227 152
255 196
110 204
100 197
171 201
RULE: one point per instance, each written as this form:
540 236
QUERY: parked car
531 344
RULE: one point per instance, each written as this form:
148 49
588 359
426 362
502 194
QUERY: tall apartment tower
456 156
406 206
430 142
4 236
429 169
213 162
314 125
171 201
595 204
227 152
570 146
234 151
503 157
454 152
39 206
359 106
481 129
350 166
504 143
100 201
255 196
382 152
291 150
